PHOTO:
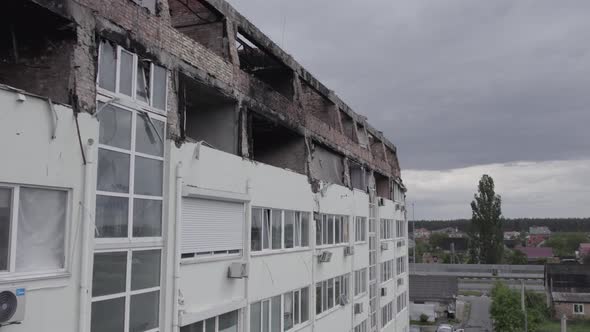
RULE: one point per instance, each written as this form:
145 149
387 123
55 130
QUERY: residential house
537 254
167 167
583 250
421 234
434 296
568 289
537 234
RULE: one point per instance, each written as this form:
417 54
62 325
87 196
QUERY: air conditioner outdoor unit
237 270
343 300
358 308
348 251
325 257
12 305
384 246
383 291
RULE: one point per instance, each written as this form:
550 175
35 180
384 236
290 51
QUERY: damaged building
167 167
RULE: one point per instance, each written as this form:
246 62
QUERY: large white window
400 226
386 229
32 229
360 281
402 301
578 309
228 322
211 227
332 293
401 265
331 229
387 270
360 229
274 229
128 220
280 313
386 314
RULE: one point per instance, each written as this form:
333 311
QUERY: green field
554 326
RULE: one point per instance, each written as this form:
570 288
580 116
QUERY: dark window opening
201 23
383 185
348 126
36 57
264 66
358 176
362 136
276 145
319 106
209 115
327 165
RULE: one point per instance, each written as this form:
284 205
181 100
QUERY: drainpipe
177 220
87 228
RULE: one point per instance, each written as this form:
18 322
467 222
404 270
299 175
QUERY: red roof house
535 254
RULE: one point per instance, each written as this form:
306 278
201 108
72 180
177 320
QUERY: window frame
324 285
577 306
298 220
132 101
10 273
282 309
240 321
326 226
360 226
360 280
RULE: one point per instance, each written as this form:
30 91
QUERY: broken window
209 115
362 136
264 66
377 147
358 176
125 74
382 185
200 22
348 126
327 165
277 145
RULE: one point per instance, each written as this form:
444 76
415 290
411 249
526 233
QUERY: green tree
505 310
565 244
486 235
515 257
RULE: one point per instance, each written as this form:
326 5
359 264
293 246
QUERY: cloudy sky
462 88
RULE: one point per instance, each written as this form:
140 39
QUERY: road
479 316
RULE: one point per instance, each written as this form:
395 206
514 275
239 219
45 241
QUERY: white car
447 328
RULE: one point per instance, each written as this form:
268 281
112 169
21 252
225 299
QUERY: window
362 327
360 281
398 193
400 282
402 301
288 310
331 229
32 229
401 265
228 322
578 309
400 226
386 314
386 229
387 271
274 229
332 293
130 77
128 220
211 227
360 229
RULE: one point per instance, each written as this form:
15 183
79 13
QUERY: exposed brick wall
567 309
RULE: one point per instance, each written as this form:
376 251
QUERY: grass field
554 326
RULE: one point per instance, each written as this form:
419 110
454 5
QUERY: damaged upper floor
215 76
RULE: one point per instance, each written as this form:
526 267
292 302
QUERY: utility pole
522 294
414 231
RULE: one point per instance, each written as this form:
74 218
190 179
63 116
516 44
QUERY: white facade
180 283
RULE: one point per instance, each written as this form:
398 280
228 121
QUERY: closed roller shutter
211 225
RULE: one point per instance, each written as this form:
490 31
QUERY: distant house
512 235
452 232
568 288
422 233
512 239
537 254
584 250
434 296
537 234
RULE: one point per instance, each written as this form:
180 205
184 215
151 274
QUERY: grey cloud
452 83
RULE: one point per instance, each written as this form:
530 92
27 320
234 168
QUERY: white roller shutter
211 225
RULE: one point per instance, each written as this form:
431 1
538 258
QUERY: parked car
448 328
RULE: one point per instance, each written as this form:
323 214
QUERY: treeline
520 224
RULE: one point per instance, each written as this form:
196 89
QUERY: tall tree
486 235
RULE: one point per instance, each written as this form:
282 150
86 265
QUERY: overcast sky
461 87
